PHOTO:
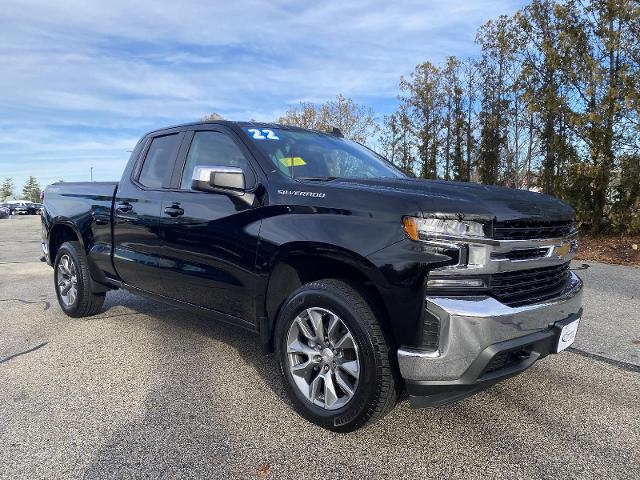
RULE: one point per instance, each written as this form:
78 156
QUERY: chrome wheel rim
67 280
323 358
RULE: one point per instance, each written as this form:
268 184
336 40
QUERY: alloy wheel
67 280
323 358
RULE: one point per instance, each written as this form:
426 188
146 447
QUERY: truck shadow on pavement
216 334
204 387
217 408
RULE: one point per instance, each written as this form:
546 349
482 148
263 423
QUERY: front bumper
483 341
45 253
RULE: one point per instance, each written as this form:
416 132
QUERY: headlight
425 228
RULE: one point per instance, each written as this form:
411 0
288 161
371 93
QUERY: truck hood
466 200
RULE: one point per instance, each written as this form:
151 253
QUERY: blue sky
81 80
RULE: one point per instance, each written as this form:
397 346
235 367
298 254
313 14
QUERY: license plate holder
567 331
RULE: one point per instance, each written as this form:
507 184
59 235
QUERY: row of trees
551 103
30 191
355 121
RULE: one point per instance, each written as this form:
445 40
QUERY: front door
210 239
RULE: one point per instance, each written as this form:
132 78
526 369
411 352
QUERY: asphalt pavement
146 390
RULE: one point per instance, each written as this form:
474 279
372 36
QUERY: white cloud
75 69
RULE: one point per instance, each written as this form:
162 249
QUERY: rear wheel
334 356
73 282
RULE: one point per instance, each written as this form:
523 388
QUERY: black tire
376 391
86 302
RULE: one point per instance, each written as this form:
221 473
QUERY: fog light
455 282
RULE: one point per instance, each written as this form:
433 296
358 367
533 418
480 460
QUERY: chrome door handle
124 207
174 211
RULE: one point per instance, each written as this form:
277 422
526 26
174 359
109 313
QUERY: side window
159 160
210 149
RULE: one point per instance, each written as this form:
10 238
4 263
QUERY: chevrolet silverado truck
364 282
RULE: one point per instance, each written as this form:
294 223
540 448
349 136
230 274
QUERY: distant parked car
21 207
4 212
38 208
32 209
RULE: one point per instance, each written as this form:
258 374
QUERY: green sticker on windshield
292 161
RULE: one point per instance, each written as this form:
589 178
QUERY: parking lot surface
146 390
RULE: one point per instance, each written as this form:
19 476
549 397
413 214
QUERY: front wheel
73 282
334 356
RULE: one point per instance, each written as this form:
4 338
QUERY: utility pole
91 173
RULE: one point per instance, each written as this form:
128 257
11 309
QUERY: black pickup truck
363 281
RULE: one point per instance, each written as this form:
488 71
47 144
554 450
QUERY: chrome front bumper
45 253
471 325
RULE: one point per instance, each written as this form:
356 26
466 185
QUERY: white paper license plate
567 335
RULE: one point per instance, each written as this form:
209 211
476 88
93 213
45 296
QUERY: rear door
137 208
210 239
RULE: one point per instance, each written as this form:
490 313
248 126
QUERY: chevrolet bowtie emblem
562 249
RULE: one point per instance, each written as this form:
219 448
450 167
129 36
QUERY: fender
297 263
85 238
326 250
66 222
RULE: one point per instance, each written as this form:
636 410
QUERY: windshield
306 154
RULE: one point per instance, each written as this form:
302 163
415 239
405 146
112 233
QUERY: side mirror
218 179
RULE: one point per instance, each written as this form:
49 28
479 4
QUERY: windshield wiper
316 179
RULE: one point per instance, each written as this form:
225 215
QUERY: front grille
522 254
530 230
525 287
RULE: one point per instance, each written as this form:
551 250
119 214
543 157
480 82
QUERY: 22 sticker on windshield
262 134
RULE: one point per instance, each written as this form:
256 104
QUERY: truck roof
242 124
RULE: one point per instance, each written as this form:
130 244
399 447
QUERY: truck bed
77 198
87 208
82 188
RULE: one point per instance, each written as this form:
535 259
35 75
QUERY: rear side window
210 149
159 160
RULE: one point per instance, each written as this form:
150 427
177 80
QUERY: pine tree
423 102
407 159
6 189
390 138
454 163
540 80
396 143
469 68
31 190
496 40
452 94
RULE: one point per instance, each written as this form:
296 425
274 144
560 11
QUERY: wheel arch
63 230
299 263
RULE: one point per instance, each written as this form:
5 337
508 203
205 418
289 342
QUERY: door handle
174 211
124 207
